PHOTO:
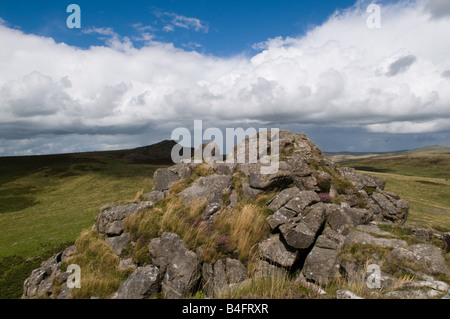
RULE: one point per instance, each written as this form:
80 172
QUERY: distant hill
159 153
435 149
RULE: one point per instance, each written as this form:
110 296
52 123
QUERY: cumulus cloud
438 8
446 74
341 73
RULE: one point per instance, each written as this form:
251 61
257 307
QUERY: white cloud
176 20
169 28
334 75
411 127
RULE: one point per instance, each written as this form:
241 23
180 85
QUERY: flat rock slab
302 200
427 257
282 198
208 188
361 238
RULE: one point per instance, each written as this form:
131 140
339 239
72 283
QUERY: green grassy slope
46 201
420 178
422 164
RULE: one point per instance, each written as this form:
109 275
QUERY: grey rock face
180 266
359 180
266 181
419 290
224 168
162 249
127 263
320 264
427 257
68 253
344 218
265 269
165 177
39 284
210 188
155 196
142 283
222 275
357 237
110 221
392 207
249 192
300 232
118 243
302 200
276 252
282 198
280 217
182 275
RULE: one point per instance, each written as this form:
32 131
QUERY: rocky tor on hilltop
213 228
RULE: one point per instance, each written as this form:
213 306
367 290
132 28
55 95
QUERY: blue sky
137 70
231 27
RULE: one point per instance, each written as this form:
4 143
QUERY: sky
137 70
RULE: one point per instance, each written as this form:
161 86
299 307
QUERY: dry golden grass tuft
138 196
245 226
100 275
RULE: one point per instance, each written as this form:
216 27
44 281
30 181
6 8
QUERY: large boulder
274 250
209 188
143 283
222 275
423 257
300 232
110 220
282 198
163 178
118 243
344 218
320 264
302 200
361 181
39 283
280 217
393 208
180 266
262 181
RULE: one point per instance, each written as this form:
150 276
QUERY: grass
46 201
271 287
240 229
49 200
422 165
246 226
100 275
361 253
